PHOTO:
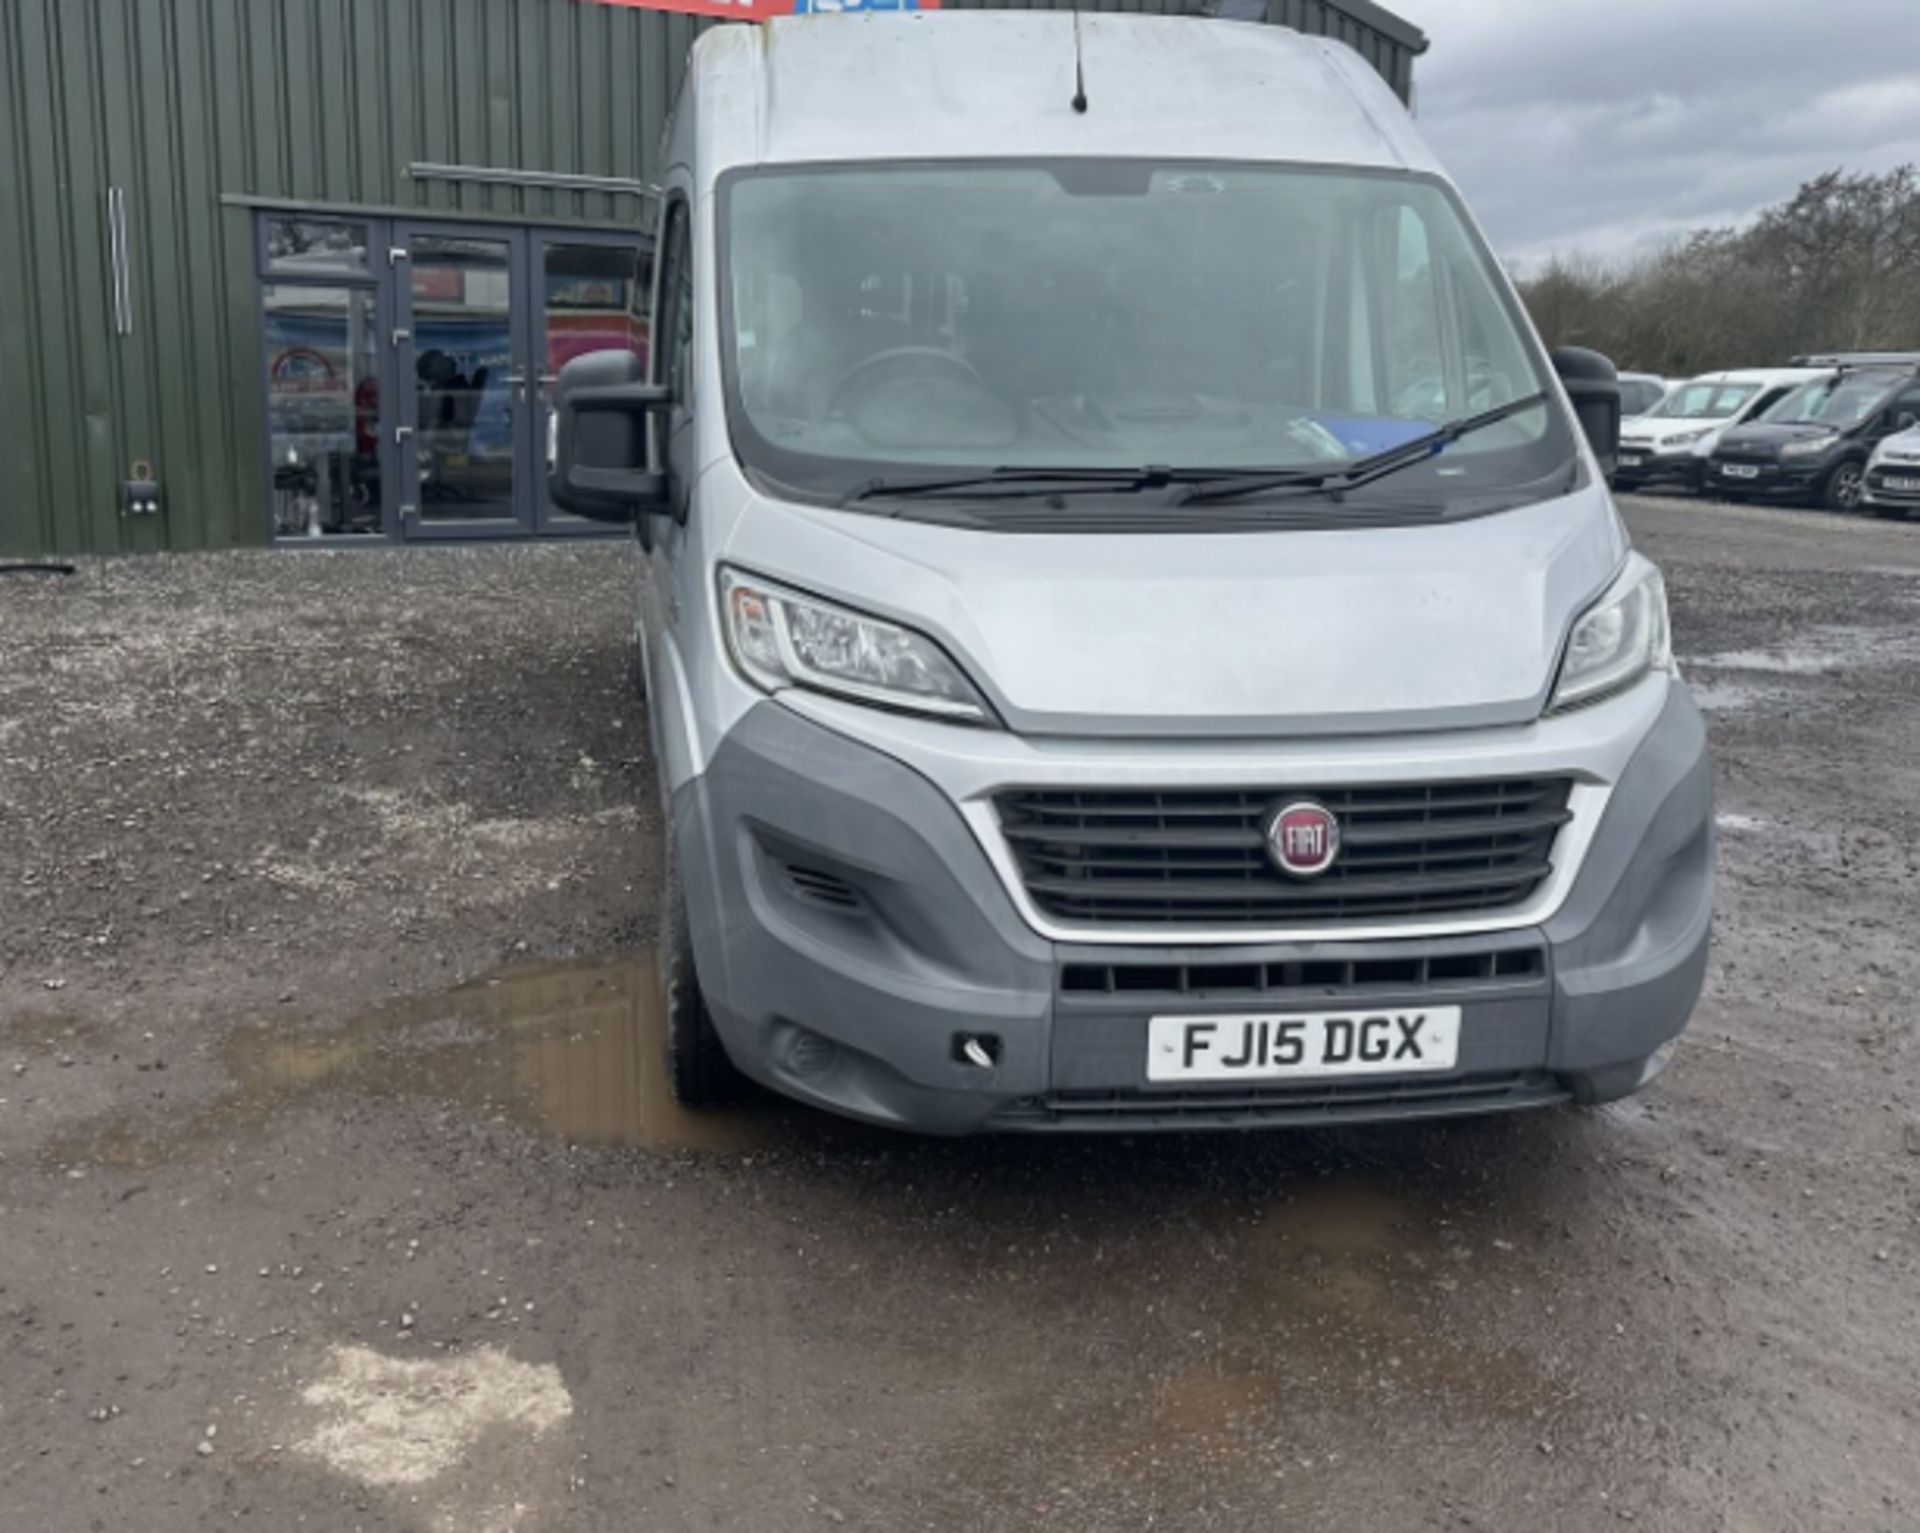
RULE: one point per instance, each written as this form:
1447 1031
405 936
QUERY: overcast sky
1600 126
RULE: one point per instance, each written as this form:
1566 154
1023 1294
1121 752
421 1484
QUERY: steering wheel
867 367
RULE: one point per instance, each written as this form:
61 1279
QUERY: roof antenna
1079 69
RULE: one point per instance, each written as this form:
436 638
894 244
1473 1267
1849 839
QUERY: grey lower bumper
838 896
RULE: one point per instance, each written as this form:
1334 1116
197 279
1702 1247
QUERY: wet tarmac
573 1051
301 1228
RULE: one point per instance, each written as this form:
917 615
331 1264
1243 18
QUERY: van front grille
1293 979
1306 1104
1198 857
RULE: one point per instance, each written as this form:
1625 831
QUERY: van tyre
1842 489
698 1070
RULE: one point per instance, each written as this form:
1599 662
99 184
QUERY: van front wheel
698 1069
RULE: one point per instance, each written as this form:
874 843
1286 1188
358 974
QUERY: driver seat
805 363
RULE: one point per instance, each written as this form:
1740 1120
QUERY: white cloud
1600 127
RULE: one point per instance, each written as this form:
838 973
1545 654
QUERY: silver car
1135 634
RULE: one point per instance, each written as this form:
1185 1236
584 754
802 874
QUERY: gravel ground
338 1187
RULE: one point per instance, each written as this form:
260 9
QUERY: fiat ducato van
1134 628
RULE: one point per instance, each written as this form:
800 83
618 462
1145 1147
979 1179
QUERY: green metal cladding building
303 267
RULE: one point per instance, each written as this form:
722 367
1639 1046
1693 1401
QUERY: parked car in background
1892 485
1640 392
1670 444
1813 445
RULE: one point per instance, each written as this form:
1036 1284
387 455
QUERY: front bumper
1783 480
1639 468
836 894
1879 485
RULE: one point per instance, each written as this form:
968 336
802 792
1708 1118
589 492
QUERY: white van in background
1641 392
1670 444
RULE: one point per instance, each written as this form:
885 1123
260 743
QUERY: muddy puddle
1343 1288
574 1051
1365 1276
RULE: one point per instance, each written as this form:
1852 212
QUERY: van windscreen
1705 401
1840 401
1114 315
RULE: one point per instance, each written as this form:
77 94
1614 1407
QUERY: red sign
758 10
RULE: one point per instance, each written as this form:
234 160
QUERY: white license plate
1632 459
1891 483
1282 1046
1740 470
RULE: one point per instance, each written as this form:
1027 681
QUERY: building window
323 408
407 368
316 247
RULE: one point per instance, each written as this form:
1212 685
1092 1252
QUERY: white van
1134 633
1671 443
1641 393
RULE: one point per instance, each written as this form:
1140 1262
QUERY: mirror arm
609 494
621 399
627 483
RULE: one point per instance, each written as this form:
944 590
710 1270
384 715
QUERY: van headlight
1683 438
1620 638
784 638
1809 447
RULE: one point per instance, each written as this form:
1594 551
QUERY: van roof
1000 84
1764 376
1871 361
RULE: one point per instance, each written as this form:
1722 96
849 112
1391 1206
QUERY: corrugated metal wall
1381 38
178 102
191 107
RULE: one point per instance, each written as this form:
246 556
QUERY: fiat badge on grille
1303 838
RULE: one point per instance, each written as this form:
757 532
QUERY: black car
1813 445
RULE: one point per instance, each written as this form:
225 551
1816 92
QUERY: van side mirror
1905 420
1593 385
601 456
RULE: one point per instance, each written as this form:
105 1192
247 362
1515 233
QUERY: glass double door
485 316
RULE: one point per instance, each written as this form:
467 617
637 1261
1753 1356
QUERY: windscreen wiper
1010 482
1337 481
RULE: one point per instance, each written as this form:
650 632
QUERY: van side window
676 302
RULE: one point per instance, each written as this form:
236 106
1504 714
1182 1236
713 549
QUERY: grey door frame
549 522
388 276
408 522
377 279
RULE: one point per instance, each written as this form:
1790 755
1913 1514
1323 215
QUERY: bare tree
1834 267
